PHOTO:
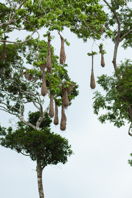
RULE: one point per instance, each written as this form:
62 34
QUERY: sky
99 166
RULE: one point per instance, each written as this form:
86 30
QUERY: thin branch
18 114
24 154
124 35
130 129
19 42
2 108
22 4
12 20
113 11
35 104
5 41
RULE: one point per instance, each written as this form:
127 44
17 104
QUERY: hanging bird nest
63 119
62 51
48 59
65 99
102 60
44 89
92 78
92 81
56 118
51 110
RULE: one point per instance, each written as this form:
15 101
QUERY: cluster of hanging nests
53 107
47 67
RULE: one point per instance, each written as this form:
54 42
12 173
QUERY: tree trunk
39 170
117 42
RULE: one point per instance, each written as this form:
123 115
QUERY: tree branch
130 129
24 154
3 108
18 115
113 11
124 35
19 42
12 20
39 121
117 37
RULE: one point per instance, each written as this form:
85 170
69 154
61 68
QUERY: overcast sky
99 166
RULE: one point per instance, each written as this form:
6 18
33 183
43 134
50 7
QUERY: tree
21 85
115 102
84 18
42 146
118 26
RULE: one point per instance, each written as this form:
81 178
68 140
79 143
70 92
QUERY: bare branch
39 121
27 123
17 114
19 42
35 104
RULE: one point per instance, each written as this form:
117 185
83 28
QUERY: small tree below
42 146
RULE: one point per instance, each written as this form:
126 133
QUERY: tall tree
117 98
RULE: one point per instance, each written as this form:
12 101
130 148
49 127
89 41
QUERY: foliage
21 77
116 100
34 116
118 24
42 146
130 161
84 18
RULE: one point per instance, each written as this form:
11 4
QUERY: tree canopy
29 84
84 18
31 72
42 146
115 102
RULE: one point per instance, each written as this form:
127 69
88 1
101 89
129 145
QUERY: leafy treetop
119 25
84 18
116 100
42 146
